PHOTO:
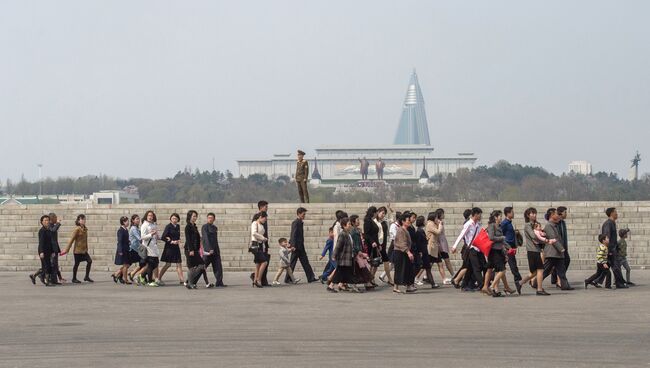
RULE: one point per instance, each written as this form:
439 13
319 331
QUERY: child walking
327 250
622 254
602 268
285 262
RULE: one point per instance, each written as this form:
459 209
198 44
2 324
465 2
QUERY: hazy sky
144 88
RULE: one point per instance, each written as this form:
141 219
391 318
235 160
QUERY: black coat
370 232
192 244
44 242
297 238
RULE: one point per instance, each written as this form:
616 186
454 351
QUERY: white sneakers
447 281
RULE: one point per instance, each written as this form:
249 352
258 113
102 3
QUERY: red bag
482 242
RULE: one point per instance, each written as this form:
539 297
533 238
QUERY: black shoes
543 293
568 288
312 280
518 285
88 279
586 284
114 278
630 283
75 281
622 286
455 284
33 278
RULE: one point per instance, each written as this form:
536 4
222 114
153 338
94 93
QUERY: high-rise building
413 127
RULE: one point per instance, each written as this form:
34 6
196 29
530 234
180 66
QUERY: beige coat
433 242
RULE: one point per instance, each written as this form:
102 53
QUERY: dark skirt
134 257
344 274
260 257
124 259
171 254
535 261
384 255
404 273
497 260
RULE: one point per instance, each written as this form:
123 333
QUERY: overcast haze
145 88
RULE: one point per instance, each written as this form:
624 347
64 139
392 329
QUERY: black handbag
254 247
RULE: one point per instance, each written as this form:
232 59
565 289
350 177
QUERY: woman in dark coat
172 252
362 273
122 254
423 259
344 258
371 237
195 265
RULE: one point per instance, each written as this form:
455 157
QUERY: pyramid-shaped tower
413 127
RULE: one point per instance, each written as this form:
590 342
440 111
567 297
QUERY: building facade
407 159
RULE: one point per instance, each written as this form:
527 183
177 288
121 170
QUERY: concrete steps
19 226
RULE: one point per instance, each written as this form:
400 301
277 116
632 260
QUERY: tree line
502 181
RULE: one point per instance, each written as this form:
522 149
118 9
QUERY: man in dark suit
609 229
297 241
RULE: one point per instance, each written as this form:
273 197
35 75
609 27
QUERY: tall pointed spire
413 127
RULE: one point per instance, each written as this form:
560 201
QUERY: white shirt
470 230
145 234
257 232
380 236
392 232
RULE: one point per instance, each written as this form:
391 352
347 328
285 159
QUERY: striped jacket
601 254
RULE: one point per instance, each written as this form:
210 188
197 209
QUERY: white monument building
580 167
410 158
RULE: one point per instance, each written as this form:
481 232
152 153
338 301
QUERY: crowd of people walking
406 246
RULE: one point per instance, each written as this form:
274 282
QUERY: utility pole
40 180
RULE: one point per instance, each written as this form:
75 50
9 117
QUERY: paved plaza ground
108 325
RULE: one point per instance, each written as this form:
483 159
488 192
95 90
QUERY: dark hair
52 214
440 212
371 212
261 204
43 218
407 213
175 215
398 218
262 214
527 213
405 216
146 214
189 215
339 214
432 216
623 232
331 228
414 214
353 219
561 210
345 221
467 213
493 216
282 240
382 209
476 211
550 212
419 222
301 210
79 217
211 214
123 220
609 211
133 217
507 211
601 238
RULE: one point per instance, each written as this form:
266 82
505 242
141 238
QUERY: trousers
556 264
303 192
214 260
301 254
